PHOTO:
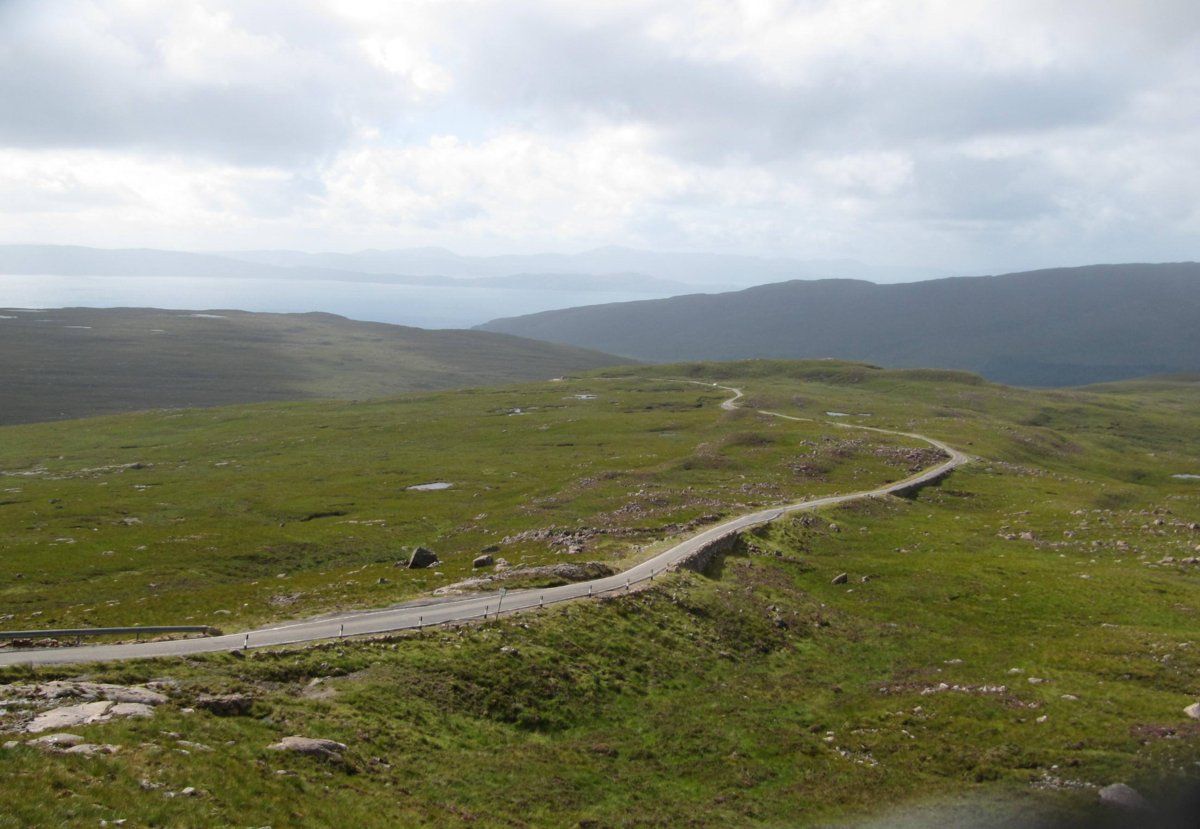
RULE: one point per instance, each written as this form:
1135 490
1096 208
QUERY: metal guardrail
62 633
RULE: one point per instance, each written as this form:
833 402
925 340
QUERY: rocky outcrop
61 689
68 716
700 560
310 746
102 702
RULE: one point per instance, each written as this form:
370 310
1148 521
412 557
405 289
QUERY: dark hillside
1065 326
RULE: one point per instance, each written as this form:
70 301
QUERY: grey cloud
709 110
112 90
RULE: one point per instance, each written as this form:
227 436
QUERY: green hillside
76 362
1002 645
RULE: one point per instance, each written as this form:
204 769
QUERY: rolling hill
1066 326
76 362
993 651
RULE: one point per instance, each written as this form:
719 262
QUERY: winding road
429 612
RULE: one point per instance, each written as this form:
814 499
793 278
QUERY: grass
758 693
242 515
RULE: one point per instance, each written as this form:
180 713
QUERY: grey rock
68 716
310 746
1193 710
132 694
840 578
422 557
92 749
129 709
60 739
1126 797
482 561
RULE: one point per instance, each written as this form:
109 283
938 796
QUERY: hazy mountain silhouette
1061 326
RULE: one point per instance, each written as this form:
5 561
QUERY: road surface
441 611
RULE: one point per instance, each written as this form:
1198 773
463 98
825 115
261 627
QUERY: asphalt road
440 611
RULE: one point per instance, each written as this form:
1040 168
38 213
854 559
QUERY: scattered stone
840 578
186 791
483 561
1126 797
422 557
58 740
1028 536
310 746
1193 710
92 749
226 705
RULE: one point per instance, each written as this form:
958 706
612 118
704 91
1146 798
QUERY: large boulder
484 560
1123 796
422 557
310 746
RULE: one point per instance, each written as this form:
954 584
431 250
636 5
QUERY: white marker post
503 590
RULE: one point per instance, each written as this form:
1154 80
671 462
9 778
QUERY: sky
967 136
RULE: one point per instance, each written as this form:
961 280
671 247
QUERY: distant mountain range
1053 327
78 362
695 269
67 260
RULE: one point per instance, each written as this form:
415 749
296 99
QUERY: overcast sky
970 136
